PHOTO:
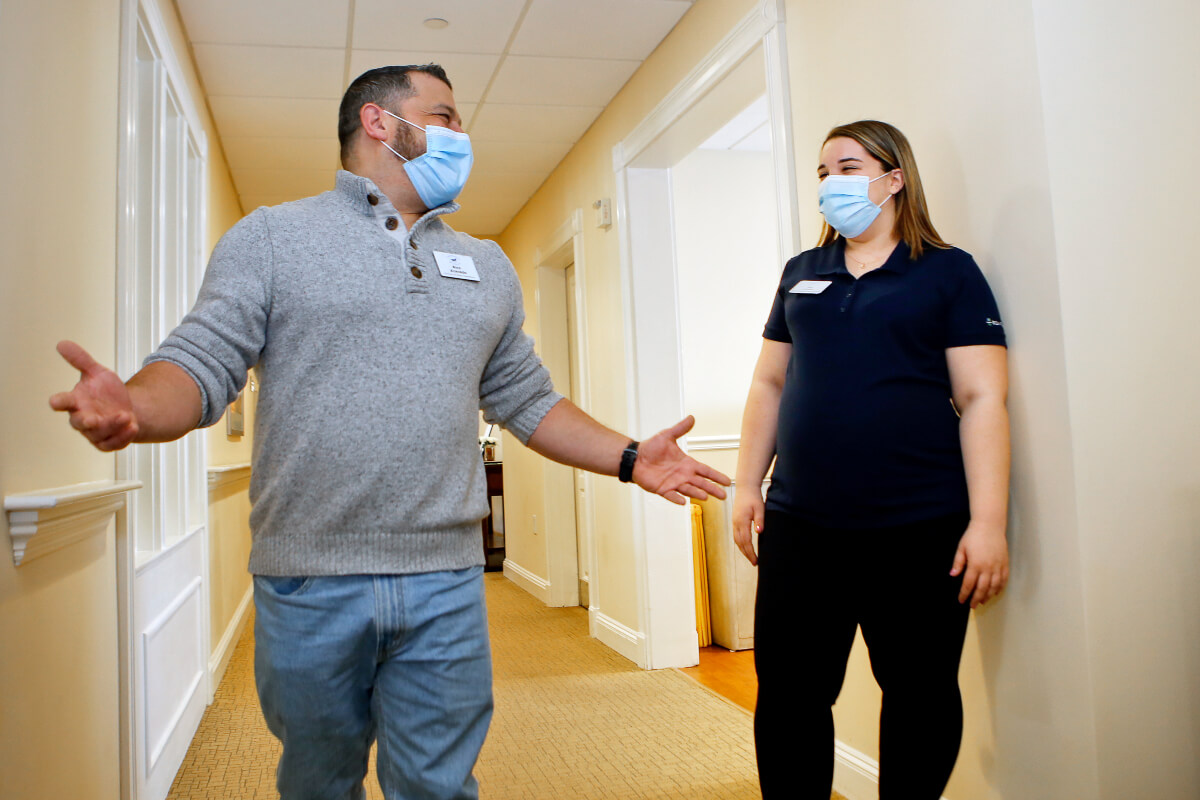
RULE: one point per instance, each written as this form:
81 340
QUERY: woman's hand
983 551
748 513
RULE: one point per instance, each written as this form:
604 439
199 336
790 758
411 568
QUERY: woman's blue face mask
441 172
845 202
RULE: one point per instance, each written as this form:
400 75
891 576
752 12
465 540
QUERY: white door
162 566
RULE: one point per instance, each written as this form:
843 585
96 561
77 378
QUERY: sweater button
372 199
416 272
412 243
392 223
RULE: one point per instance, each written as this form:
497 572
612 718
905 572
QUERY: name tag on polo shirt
456 266
810 287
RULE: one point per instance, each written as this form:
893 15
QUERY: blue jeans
342 661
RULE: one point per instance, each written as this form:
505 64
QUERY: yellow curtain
700 567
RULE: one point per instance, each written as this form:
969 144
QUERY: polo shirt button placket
848 298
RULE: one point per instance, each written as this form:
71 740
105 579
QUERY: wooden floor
728 673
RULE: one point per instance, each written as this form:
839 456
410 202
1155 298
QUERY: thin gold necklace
862 265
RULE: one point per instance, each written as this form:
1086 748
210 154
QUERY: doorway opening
706 186
562 338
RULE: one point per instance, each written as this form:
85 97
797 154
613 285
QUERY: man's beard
405 143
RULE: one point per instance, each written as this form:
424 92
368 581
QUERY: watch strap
628 456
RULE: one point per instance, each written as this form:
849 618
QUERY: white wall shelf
43 521
219 477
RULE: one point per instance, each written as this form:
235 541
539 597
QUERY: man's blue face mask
439 174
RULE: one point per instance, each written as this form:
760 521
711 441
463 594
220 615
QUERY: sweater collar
359 191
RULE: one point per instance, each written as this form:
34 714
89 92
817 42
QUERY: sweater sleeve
515 390
221 337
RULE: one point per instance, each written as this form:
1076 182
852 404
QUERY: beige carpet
573 720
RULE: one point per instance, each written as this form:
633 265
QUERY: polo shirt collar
833 259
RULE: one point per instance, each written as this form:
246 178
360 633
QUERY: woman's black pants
816 586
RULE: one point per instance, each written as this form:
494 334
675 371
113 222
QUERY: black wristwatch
628 456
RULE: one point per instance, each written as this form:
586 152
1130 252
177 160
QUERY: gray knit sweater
372 364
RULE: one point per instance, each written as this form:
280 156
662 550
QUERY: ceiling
530 77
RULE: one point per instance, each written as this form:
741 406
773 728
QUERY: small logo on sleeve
994 323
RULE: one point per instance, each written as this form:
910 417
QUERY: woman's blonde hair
887 144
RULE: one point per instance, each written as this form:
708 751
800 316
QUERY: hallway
573 720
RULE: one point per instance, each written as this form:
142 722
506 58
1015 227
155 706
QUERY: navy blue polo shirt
867 435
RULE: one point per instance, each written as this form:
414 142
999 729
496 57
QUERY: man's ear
371 117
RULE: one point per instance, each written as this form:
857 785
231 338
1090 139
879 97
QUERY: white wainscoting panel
170 652
171 629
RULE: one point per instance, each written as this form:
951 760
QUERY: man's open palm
664 469
99 406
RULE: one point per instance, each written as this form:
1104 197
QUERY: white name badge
810 287
456 266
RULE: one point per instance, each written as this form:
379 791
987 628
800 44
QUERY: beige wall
1123 221
58 616
1044 130
59 84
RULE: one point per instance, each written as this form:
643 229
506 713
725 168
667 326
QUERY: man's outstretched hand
99 406
664 469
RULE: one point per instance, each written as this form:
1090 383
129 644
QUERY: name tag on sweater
455 266
810 287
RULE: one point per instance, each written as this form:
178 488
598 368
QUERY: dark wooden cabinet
493 529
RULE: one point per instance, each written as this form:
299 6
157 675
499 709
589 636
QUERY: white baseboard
855 774
218 661
623 639
536 585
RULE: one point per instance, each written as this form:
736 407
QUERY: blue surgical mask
846 203
439 174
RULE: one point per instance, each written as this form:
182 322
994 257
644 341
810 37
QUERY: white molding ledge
730 442
50 519
219 477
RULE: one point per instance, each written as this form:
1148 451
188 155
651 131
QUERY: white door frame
563 248
662 540
186 604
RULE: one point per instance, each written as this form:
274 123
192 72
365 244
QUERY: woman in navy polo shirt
880 396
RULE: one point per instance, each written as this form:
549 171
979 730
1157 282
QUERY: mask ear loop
881 177
402 119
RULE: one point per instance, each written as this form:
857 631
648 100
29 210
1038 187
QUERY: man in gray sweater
377 332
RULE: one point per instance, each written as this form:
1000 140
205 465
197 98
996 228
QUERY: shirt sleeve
221 338
974 317
776 328
515 390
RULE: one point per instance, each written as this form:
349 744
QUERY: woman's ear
896 182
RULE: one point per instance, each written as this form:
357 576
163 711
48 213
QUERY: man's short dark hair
384 86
